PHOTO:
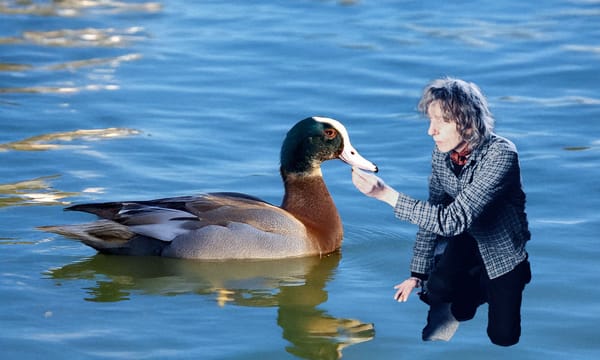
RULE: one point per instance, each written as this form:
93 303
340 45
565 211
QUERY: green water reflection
296 287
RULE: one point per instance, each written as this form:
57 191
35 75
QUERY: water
177 98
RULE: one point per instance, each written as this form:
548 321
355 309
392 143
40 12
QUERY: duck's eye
330 133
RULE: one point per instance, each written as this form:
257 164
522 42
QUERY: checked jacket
485 200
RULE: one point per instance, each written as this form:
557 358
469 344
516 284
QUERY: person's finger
404 290
397 295
361 183
402 294
363 175
405 294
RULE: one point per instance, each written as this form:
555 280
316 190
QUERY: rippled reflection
72 38
113 62
14 67
583 48
480 34
553 102
577 148
36 191
47 141
70 8
295 286
85 37
54 90
89 37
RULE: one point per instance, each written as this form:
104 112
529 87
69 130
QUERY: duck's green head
314 140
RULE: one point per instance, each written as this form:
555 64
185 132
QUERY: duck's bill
351 157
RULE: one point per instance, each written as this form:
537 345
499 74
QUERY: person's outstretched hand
373 186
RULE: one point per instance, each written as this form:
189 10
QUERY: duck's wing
112 210
165 219
157 222
226 208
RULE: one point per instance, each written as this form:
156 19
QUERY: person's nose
432 130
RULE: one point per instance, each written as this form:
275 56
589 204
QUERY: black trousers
460 278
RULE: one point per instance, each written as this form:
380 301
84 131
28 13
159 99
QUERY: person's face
444 133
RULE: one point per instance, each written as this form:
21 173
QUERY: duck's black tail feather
103 210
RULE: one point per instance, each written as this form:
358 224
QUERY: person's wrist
390 196
418 282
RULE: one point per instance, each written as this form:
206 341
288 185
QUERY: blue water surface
105 100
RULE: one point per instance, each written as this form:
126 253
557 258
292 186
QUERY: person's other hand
405 288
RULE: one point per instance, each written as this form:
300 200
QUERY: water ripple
36 191
481 33
554 102
47 141
73 8
582 48
86 37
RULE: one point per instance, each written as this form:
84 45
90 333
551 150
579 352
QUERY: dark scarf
460 158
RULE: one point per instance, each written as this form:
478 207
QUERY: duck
230 225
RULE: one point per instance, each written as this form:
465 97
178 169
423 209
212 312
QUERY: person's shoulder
500 144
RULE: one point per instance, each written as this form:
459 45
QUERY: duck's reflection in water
295 286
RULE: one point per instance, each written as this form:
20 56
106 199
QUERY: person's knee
463 311
503 337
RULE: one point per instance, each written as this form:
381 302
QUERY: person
476 209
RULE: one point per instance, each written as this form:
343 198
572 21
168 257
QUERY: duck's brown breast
307 199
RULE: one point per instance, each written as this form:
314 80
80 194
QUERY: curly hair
463 103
